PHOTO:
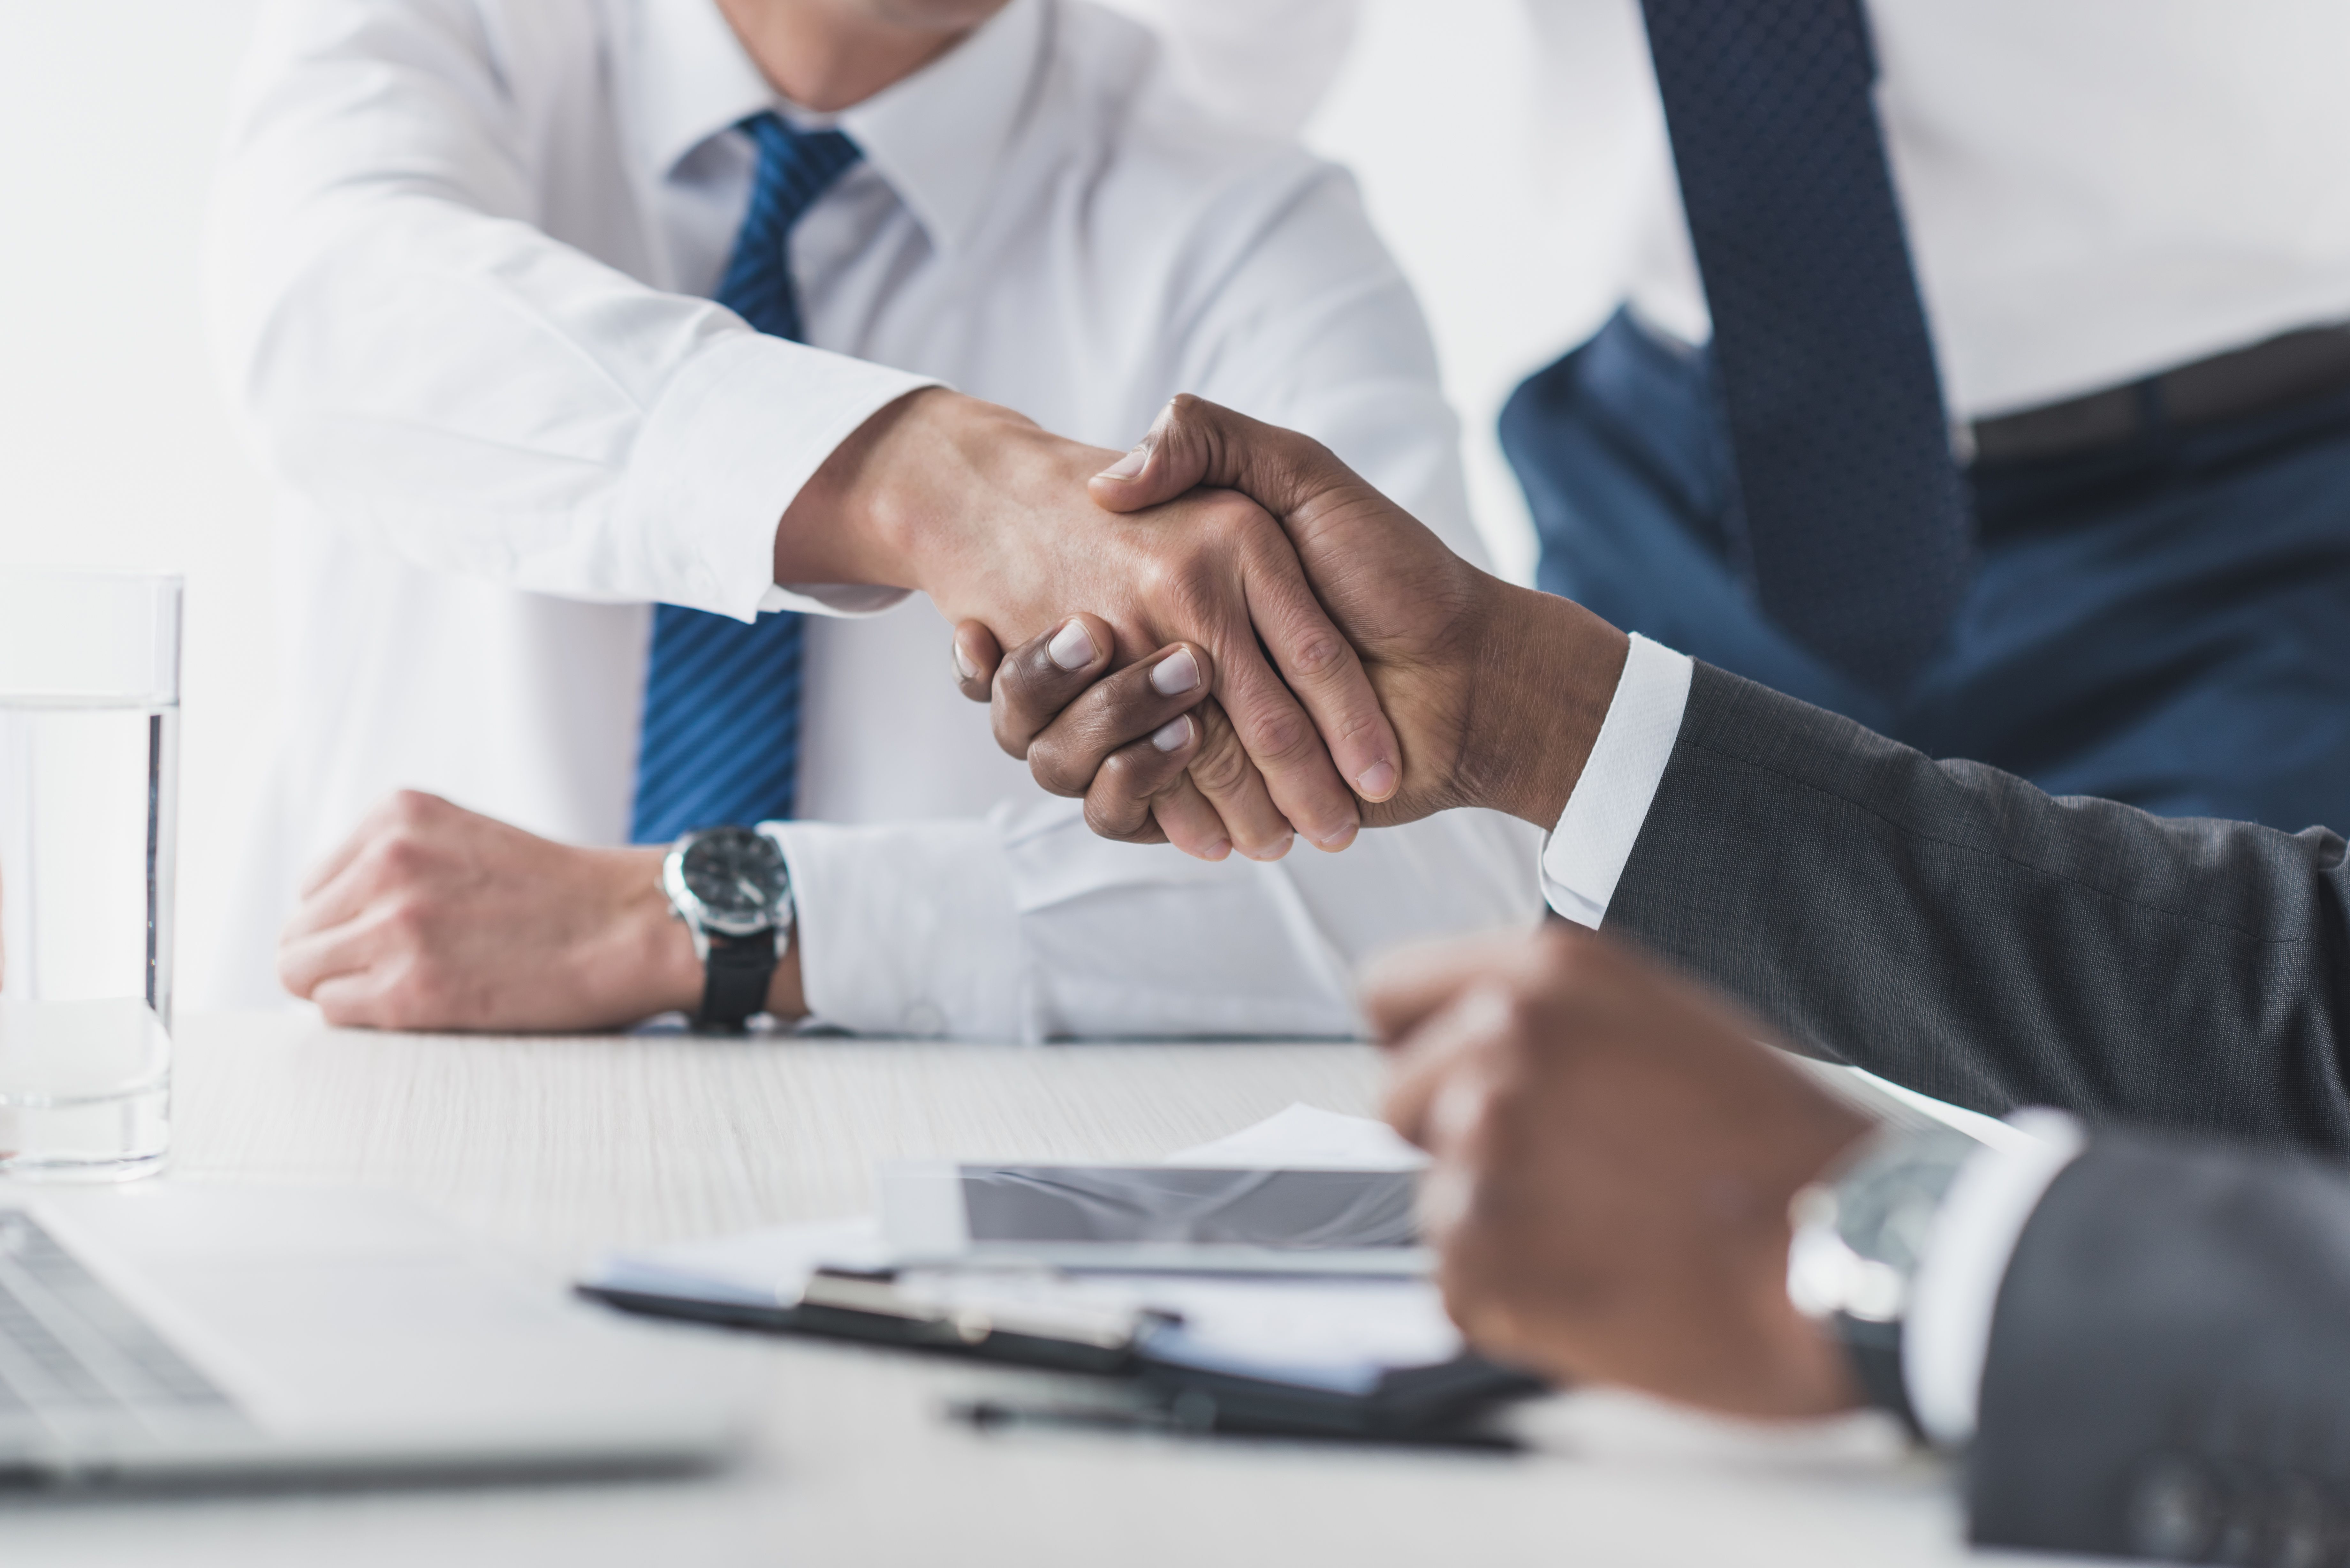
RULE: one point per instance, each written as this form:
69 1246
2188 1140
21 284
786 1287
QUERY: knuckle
1033 682
408 922
1190 593
1054 773
1320 653
1015 681
401 856
414 808
1159 579
1009 739
1222 768
1113 818
1280 735
1231 516
1129 776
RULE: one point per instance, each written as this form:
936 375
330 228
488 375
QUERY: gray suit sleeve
1952 928
2168 1372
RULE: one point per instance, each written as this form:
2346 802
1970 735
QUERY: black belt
2241 381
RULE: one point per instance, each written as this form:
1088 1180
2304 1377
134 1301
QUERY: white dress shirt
462 253
2094 190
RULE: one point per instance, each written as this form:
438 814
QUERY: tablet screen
1299 1209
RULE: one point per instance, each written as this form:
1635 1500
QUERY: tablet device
1154 1219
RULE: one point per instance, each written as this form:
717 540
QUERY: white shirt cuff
1947 1337
728 446
905 929
1584 857
843 600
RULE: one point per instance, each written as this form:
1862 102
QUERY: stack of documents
1361 1356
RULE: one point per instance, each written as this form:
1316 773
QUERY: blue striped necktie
1851 511
720 739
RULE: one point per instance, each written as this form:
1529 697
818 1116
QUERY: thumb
1194 442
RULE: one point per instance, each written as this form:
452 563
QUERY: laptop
171 1333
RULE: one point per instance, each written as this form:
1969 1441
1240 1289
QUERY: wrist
856 519
1547 671
649 966
891 506
1857 1237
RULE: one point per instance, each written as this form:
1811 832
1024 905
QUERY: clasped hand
1492 694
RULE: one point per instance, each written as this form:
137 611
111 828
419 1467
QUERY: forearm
925 494
1955 929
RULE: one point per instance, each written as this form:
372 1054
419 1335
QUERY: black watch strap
734 983
1873 1351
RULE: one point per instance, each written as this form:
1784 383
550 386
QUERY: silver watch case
1860 1233
771 909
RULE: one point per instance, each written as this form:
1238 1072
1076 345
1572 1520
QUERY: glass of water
89 714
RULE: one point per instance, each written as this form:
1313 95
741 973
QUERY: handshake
1338 667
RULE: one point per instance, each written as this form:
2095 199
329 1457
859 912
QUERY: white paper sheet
770 1267
1306 1137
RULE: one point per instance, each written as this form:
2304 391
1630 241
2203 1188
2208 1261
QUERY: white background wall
115 449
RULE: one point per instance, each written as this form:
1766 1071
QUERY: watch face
739 877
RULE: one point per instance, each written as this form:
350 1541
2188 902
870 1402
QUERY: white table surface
559 1149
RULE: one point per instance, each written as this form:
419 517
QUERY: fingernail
1071 648
1338 840
1377 781
1274 850
1218 850
1130 465
963 666
1174 734
1176 674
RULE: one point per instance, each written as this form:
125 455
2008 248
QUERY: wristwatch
730 887
1860 1233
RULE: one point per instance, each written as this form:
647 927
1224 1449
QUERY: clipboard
1176 1387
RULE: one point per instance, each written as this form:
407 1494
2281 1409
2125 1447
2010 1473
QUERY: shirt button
2175 1508
924 1022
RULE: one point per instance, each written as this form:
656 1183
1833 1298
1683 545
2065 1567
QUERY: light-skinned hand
430 917
991 516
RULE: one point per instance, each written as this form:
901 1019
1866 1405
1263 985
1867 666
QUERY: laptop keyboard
77 1363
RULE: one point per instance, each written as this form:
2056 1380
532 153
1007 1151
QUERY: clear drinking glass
90 715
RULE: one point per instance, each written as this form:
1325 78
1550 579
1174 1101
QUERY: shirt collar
936 137
698 79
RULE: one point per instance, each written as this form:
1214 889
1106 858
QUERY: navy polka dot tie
721 739
1851 512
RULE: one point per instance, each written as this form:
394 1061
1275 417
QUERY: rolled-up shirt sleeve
584 434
